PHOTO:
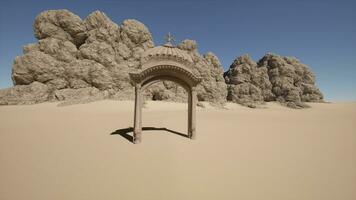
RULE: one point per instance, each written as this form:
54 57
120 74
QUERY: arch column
138 115
192 102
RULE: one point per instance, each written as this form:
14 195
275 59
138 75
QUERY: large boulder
36 66
60 24
25 94
62 50
292 81
274 78
74 55
135 31
247 84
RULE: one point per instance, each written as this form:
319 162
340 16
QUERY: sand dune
274 153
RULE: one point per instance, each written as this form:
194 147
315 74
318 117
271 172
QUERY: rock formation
243 79
35 92
79 60
272 78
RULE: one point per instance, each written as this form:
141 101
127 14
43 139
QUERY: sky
320 33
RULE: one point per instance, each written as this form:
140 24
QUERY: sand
275 153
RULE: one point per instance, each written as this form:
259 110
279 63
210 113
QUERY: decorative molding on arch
167 52
167 61
178 72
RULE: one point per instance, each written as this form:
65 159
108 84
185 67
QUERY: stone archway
176 73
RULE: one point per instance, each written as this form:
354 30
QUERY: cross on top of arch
169 38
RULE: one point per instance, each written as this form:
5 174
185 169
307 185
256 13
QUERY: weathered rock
83 60
74 54
36 66
260 79
279 78
82 95
245 94
25 94
134 33
292 82
60 24
88 73
188 45
30 47
240 70
100 28
99 20
100 52
167 91
247 84
61 50
212 87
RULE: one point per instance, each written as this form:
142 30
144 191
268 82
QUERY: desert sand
273 153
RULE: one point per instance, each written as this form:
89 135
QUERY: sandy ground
77 152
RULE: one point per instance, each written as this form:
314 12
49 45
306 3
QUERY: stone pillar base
136 137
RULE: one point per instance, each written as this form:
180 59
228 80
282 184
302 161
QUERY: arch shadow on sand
124 132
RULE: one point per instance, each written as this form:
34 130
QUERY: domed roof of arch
166 51
165 62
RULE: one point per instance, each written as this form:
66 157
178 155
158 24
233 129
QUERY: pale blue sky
321 33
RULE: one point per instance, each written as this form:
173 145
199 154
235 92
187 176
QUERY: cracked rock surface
272 78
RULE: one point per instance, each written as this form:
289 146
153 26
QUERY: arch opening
159 78
165 90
